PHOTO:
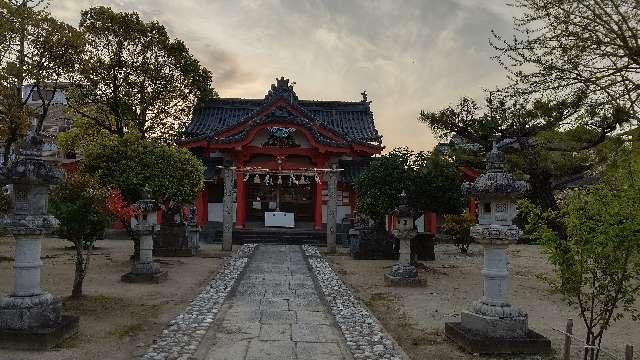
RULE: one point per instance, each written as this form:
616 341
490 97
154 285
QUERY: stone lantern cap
35 175
30 171
403 210
495 181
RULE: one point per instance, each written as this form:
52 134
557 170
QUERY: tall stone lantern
31 318
492 324
145 270
403 273
193 232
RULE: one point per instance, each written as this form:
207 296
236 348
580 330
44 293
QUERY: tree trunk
7 150
82 260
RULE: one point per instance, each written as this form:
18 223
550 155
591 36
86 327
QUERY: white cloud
409 55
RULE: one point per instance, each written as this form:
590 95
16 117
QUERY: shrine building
280 149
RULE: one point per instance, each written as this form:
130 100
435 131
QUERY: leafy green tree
79 205
547 141
431 181
130 163
598 264
135 77
35 50
435 184
381 183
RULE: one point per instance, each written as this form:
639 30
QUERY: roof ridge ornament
495 159
282 89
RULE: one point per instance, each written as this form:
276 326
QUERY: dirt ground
117 320
415 316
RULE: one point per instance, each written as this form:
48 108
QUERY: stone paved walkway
275 313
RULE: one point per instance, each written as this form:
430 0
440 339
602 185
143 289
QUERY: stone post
227 209
404 252
193 236
27 266
31 318
145 270
332 190
492 324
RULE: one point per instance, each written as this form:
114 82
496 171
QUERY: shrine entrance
280 196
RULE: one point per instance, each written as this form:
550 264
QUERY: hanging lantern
295 181
280 179
246 177
317 178
290 180
256 179
303 181
267 179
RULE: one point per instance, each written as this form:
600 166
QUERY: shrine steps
213 234
295 237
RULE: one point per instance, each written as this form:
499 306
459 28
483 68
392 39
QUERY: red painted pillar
202 206
431 222
317 206
160 216
241 201
473 212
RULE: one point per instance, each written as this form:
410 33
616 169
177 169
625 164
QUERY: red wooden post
202 206
159 217
431 223
241 201
472 208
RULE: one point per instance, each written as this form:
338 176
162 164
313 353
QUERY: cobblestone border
181 338
365 337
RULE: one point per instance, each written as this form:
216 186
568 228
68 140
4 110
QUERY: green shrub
458 227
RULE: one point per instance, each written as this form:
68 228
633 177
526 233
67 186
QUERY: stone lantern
145 270
31 318
403 273
493 325
193 232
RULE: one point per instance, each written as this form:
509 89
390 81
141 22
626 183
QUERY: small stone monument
31 318
403 273
492 325
145 270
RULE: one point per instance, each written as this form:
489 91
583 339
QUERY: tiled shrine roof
353 121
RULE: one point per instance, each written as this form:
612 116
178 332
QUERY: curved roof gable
352 121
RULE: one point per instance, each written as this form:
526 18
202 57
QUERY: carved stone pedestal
145 270
30 318
403 276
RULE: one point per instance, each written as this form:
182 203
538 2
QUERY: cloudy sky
408 54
